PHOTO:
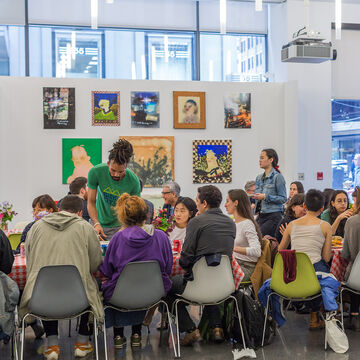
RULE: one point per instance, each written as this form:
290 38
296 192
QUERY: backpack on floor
253 316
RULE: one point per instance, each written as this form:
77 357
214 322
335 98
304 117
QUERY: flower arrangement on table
162 223
6 214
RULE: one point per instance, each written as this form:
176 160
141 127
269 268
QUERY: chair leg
266 314
69 327
96 338
22 338
239 317
170 327
341 306
177 327
105 341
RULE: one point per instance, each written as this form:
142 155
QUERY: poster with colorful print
105 108
212 161
145 109
153 160
79 156
59 108
237 108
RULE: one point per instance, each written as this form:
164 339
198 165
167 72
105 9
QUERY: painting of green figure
212 161
153 160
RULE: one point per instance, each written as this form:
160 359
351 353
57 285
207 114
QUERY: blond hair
131 210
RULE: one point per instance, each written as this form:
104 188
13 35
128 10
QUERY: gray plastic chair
58 294
139 287
212 285
352 284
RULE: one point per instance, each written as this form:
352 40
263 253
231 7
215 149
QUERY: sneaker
82 349
218 335
119 342
190 338
52 352
135 340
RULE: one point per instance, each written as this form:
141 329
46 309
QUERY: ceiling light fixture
338 19
94 13
258 5
109 1
222 16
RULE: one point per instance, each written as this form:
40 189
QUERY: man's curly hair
121 152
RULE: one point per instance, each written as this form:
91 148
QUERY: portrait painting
237 108
145 109
105 108
59 108
78 157
212 161
153 160
189 110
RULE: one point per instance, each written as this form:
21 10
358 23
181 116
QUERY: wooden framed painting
212 161
105 108
153 160
189 110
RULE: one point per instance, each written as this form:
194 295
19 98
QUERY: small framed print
105 108
189 110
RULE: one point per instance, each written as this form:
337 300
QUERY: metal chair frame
345 288
109 306
181 299
57 319
285 298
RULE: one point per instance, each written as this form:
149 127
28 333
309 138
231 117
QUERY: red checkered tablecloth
238 273
18 273
338 264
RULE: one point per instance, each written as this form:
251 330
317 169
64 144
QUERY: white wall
12 12
312 134
31 157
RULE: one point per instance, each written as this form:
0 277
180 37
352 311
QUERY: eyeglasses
166 192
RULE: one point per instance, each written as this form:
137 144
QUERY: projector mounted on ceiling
307 47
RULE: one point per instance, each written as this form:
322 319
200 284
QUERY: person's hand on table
100 232
259 196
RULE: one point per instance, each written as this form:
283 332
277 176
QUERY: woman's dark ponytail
272 154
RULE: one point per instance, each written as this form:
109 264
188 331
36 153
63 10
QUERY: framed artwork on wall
105 107
189 110
212 161
145 109
79 156
237 109
153 160
59 108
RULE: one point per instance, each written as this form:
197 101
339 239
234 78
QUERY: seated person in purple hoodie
134 242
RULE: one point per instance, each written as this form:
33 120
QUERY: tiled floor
293 341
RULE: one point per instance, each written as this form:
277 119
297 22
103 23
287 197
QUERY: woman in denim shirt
270 193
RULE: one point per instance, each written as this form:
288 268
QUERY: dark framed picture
189 110
105 108
59 108
145 109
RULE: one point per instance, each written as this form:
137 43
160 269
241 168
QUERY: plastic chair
58 294
352 284
139 287
305 287
212 285
14 240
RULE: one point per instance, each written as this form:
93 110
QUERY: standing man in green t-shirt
106 183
